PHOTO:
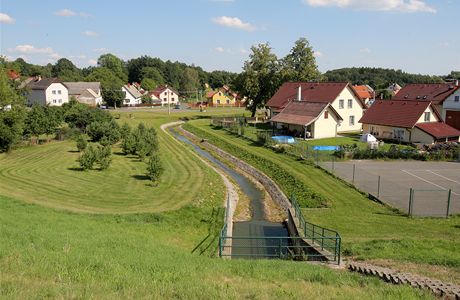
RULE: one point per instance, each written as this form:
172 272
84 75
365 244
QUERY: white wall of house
325 127
130 100
168 96
346 112
413 135
55 95
419 136
451 103
431 117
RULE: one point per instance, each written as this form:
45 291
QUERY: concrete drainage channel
259 238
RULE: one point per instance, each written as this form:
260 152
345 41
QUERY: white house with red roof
407 121
444 96
340 95
165 94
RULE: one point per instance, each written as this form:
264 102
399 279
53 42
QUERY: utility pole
169 102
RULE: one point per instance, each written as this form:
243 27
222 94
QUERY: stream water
257 226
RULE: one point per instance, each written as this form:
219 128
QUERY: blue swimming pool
284 139
326 148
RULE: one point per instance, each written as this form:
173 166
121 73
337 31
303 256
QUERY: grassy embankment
76 238
370 231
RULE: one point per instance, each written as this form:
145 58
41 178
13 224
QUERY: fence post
338 240
279 247
322 240
220 245
378 189
354 169
333 159
411 199
304 229
313 235
448 202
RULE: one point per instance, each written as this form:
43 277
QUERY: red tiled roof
363 92
325 92
210 94
12 74
438 130
435 92
395 113
302 113
160 90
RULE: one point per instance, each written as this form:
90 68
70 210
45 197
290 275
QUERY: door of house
453 118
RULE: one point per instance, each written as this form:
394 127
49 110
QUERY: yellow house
221 97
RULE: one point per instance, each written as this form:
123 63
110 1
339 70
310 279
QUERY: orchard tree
260 77
300 63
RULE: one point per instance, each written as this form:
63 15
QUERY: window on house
164 99
350 103
427 116
59 92
341 103
54 100
398 134
326 114
457 99
351 120
218 101
60 101
54 92
172 99
228 101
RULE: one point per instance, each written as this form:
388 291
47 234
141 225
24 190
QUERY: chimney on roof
456 82
39 77
299 93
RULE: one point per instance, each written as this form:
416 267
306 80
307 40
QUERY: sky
416 36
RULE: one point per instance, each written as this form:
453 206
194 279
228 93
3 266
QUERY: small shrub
154 168
104 157
88 158
81 143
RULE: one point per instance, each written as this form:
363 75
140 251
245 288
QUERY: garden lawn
369 230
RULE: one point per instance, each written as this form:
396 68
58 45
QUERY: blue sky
420 36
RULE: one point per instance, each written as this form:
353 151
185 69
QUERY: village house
48 91
407 121
340 95
444 96
365 93
132 95
221 97
393 89
165 94
85 92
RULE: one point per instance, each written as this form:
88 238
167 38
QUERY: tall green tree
300 63
115 64
190 80
12 113
260 77
65 70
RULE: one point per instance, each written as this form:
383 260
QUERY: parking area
433 188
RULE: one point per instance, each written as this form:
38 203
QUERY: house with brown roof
407 121
165 94
308 119
340 95
444 96
46 91
85 92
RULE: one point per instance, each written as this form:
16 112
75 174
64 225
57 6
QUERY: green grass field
369 230
108 234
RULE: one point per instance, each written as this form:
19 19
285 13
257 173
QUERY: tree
105 132
153 74
12 113
66 70
114 64
113 97
300 63
148 84
259 79
154 168
190 80
88 158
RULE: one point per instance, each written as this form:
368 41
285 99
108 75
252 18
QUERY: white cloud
6 19
318 54
365 50
65 13
92 62
70 13
29 49
90 33
407 6
101 50
219 49
234 22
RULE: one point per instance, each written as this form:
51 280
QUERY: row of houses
54 92
417 113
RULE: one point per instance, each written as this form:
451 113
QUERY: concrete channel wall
272 188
